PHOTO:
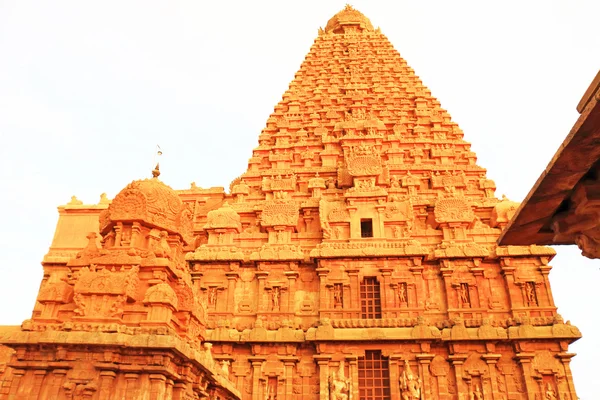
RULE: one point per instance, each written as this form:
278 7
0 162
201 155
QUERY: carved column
289 363
565 359
106 384
169 389
323 298
157 386
352 361
231 281
16 382
135 234
292 276
416 300
424 360
256 368
354 289
509 276
457 361
387 296
53 389
545 269
323 362
261 306
491 360
131 386
178 391
38 378
395 361
524 359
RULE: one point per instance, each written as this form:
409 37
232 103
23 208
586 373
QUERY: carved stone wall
359 176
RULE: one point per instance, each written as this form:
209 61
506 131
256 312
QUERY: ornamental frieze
452 209
363 160
280 212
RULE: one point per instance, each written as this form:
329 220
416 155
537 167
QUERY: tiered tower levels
355 258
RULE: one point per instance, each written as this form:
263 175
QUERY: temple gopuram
355 258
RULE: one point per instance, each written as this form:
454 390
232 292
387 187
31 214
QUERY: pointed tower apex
348 20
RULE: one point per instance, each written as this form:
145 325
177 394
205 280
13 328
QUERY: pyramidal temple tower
355 258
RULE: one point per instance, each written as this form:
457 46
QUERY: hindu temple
356 258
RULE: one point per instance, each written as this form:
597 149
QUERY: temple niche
355 258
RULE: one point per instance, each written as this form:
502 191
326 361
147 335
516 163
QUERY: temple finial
156 171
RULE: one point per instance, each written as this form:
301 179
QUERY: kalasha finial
156 171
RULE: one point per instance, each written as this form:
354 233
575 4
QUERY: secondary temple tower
356 258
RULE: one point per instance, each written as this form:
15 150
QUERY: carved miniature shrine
356 258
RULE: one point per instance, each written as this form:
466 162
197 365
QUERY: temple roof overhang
569 171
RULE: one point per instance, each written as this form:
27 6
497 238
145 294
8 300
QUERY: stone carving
102 293
410 385
162 293
476 394
223 217
363 160
148 200
549 393
280 213
280 260
453 209
339 386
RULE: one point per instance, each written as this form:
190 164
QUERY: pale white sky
87 89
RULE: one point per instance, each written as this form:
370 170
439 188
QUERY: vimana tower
356 258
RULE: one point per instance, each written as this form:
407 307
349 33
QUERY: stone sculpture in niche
410 385
339 386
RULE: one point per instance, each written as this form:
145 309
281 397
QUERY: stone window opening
370 298
366 228
373 376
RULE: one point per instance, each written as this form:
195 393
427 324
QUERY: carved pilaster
565 359
323 363
157 386
322 274
352 361
395 361
524 359
458 361
491 360
257 389
424 361
231 281
262 306
106 384
291 292
289 364
38 378
354 288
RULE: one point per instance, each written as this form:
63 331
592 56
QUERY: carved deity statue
339 386
225 367
402 293
463 291
276 297
550 394
212 296
476 394
410 386
337 295
530 293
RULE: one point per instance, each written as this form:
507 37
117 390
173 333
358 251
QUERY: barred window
370 298
373 376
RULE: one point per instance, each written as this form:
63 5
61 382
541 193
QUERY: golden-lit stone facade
356 258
